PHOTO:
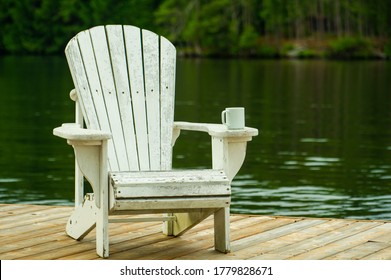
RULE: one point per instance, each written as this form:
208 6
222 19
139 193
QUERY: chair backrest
125 83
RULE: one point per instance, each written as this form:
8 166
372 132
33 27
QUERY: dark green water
324 147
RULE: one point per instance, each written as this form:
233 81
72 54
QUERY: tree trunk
337 20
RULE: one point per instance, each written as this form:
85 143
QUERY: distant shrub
387 49
267 51
308 53
299 51
248 40
286 48
350 47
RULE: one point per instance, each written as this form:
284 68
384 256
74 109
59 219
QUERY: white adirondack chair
124 80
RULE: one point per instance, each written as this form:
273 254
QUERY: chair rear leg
168 226
82 219
186 221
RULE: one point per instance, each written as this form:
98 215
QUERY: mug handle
224 117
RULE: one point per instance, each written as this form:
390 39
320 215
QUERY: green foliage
217 29
248 40
201 27
308 53
45 26
286 48
171 17
387 49
350 47
267 51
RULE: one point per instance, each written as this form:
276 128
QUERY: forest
223 28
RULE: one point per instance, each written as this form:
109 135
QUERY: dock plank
360 251
322 235
385 238
384 254
285 246
352 236
38 232
241 237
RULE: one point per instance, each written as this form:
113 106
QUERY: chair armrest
217 130
90 148
73 132
228 146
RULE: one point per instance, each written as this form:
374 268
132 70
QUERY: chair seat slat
183 183
179 204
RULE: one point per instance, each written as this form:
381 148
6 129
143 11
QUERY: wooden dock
38 232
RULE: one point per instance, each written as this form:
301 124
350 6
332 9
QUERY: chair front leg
92 160
227 154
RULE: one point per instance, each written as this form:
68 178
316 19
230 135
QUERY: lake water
324 148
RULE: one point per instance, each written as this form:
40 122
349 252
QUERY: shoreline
333 48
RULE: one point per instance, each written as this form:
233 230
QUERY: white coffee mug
233 117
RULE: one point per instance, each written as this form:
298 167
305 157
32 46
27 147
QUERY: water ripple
10 180
306 200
